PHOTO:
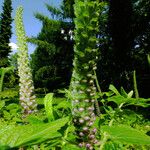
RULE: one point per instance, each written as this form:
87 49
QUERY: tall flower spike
86 24
26 91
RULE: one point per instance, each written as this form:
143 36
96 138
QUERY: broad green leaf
129 101
12 106
48 104
15 136
112 88
117 99
127 135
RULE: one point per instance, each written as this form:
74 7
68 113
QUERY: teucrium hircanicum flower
85 51
27 97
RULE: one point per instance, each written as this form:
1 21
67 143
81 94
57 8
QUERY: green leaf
117 99
2 104
112 88
72 147
32 119
64 105
113 146
12 106
48 104
16 136
123 92
8 69
127 135
129 101
130 94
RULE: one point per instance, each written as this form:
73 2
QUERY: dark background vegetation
124 43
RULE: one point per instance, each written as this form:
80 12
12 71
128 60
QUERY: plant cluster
82 117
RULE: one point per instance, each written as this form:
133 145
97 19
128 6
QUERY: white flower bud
81 120
81 134
86 118
86 100
89 75
94 130
91 81
91 136
76 101
85 128
81 109
90 108
88 145
84 81
88 90
90 124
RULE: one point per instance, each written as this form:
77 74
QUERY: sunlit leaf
127 135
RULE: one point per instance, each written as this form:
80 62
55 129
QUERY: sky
32 25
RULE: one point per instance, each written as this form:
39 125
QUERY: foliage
126 134
22 135
121 121
67 8
48 106
9 93
5 33
53 71
67 117
3 71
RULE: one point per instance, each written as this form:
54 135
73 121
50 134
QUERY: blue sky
32 25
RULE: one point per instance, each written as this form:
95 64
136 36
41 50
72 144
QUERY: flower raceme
82 83
27 97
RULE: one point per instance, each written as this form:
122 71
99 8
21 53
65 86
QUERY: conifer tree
52 60
5 33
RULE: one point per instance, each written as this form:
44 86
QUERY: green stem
65 135
99 90
97 84
135 85
104 141
2 80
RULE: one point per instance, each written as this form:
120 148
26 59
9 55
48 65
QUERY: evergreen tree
67 8
5 33
52 60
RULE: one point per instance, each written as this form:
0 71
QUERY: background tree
67 7
54 70
141 32
5 33
124 42
120 29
